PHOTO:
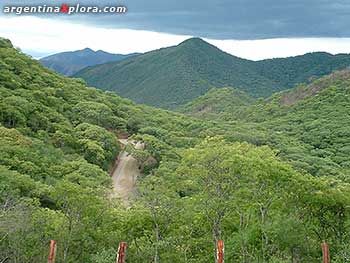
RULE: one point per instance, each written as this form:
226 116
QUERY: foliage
208 179
58 139
216 102
171 77
309 125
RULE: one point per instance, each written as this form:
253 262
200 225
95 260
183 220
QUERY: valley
256 154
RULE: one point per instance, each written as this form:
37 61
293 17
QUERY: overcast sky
253 29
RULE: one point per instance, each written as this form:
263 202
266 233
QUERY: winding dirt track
125 175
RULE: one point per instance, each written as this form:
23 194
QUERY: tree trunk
243 248
263 234
156 252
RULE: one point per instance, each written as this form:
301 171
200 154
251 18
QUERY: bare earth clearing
126 172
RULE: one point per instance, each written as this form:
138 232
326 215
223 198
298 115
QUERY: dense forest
218 102
309 124
272 189
171 77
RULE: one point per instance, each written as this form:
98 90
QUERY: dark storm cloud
226 19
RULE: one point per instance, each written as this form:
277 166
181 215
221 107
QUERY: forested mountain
288 72
58 140
211 179
217 102
69 63
316 115
171 77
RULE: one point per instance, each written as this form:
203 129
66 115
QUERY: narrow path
125 174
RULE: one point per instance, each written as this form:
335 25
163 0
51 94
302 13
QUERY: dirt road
125 175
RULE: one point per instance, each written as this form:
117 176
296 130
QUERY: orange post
121 256
325 252
52 254
220 251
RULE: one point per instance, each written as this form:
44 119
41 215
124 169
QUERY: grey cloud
225 19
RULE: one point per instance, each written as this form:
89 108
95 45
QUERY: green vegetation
309 125
171 77
210 179
217 102
69 63
57 141
288 72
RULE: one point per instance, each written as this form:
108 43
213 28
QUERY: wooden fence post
325 252
220 251
121 255
52 253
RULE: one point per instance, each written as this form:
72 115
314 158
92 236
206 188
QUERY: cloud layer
224 19
42 36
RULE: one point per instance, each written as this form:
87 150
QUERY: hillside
171 77
288 72
216 102
315 117
69 63
59 139
318 115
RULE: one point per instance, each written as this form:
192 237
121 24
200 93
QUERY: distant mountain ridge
68 63
290 71
172 77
